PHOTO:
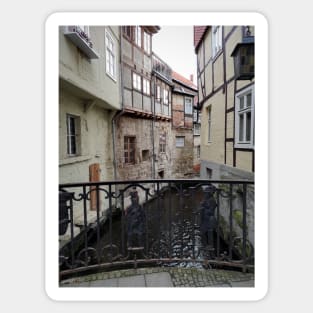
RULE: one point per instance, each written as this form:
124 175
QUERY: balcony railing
81 40
160 67
109 225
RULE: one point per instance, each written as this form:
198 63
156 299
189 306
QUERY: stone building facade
183 94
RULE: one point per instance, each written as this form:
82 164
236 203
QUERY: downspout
152 127
121 112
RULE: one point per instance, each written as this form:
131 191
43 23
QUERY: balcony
81 40
189 223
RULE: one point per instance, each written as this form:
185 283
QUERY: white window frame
158 93
216 40
162 143
110 56
138 36
165 96
75 134
180 141
136 81
188 106
243 111
147 42
146 86
197 129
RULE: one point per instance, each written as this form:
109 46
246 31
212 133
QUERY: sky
174 45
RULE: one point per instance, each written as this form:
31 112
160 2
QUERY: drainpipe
119 113
152 128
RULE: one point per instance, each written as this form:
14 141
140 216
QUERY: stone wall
237 215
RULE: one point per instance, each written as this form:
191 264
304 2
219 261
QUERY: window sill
111 76
74 159
244 146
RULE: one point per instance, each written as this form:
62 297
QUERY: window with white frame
180 141
158 93
146 86
188 105
73 134
127 31
216 39
244 118
138 36
162 143
209 124
196 129
110 55
195 116
136 81
147 42
165 96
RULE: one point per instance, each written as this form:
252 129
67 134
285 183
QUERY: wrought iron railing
108 225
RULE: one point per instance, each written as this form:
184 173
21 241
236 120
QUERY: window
146 86
129 149
196 129
158 93
244 132
110 55
188 105
127 31
216 39
165 96
180 141
147 42
138 36
198 152
73 134
162 143
136 81
195 116
145 155
209 124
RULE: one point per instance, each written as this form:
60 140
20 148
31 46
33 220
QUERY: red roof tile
198 32
183 80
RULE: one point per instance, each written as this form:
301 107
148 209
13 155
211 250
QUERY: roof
198 32
181 79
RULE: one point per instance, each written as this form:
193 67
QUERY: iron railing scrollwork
169 222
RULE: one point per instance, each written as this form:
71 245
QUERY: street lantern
243 55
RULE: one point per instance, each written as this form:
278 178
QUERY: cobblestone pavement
163 277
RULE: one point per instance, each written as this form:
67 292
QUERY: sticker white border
52 154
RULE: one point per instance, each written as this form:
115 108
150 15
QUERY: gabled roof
182 80
198 33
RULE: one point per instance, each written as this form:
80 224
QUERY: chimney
191 77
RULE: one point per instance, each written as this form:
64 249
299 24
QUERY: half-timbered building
226 99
